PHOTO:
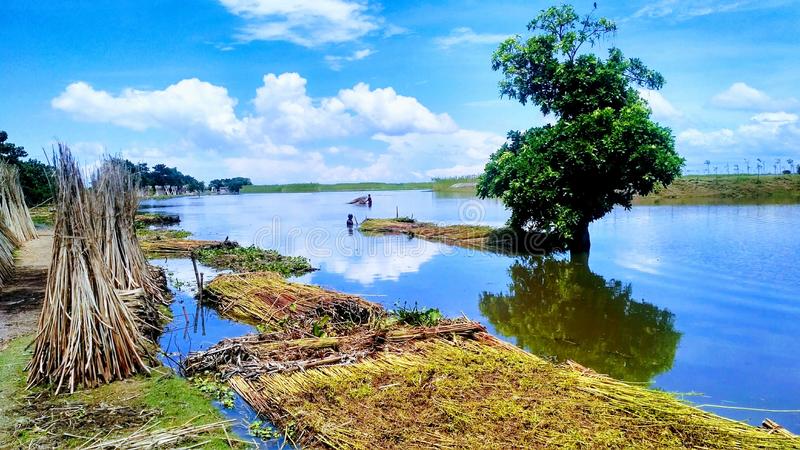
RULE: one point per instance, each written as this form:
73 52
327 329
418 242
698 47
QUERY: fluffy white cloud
304 22
661 107
465 35
284 107
336 62
287 135
389 112
741 96
768 135
185 104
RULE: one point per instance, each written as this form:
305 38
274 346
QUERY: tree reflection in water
562 309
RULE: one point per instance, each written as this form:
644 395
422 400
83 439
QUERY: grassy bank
337 187
163 403
456 184
728 188
694 189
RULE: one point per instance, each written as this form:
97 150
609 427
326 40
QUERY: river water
698 300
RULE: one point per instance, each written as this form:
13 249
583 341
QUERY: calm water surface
689 299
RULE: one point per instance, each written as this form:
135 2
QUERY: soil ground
21 299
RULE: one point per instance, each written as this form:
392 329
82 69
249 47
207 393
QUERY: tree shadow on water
562 309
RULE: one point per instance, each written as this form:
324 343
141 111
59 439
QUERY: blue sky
355 90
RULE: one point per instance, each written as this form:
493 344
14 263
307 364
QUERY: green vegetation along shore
337 187
691 189
142 409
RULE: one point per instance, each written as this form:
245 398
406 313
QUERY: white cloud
392 113
460 145
688 9
336 62
766 135
661 107
465 35
187 103
304 22
741 96
284 107
287 135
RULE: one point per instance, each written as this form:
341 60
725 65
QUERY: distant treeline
161 175
38 183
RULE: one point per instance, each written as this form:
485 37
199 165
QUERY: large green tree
601 150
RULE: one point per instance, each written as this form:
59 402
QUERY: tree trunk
580 243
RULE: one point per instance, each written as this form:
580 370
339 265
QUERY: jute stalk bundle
87 336
7 245
13 212
16 225
114 205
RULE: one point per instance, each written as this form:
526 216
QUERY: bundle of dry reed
16 225
260 297
175 247
147 438
474 395
114 205
8 243
13 212
253 355
87 336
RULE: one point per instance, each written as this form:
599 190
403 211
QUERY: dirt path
21 299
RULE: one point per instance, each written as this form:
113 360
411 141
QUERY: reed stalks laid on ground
86 335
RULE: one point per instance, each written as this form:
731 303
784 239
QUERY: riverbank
694 189
159 409
704 189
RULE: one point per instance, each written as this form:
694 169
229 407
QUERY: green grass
337 187
163 398
464 184
727 189
146 234
690 189
43 215
254 259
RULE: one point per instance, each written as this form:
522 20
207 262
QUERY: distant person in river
350 221
369 201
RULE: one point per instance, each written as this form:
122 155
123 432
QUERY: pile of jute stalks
16 226
101 296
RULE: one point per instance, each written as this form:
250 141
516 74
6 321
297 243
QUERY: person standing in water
369 201
350 221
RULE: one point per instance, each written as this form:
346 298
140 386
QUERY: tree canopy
35 177
603 148
232 184
161 175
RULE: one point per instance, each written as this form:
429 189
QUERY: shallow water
689 299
